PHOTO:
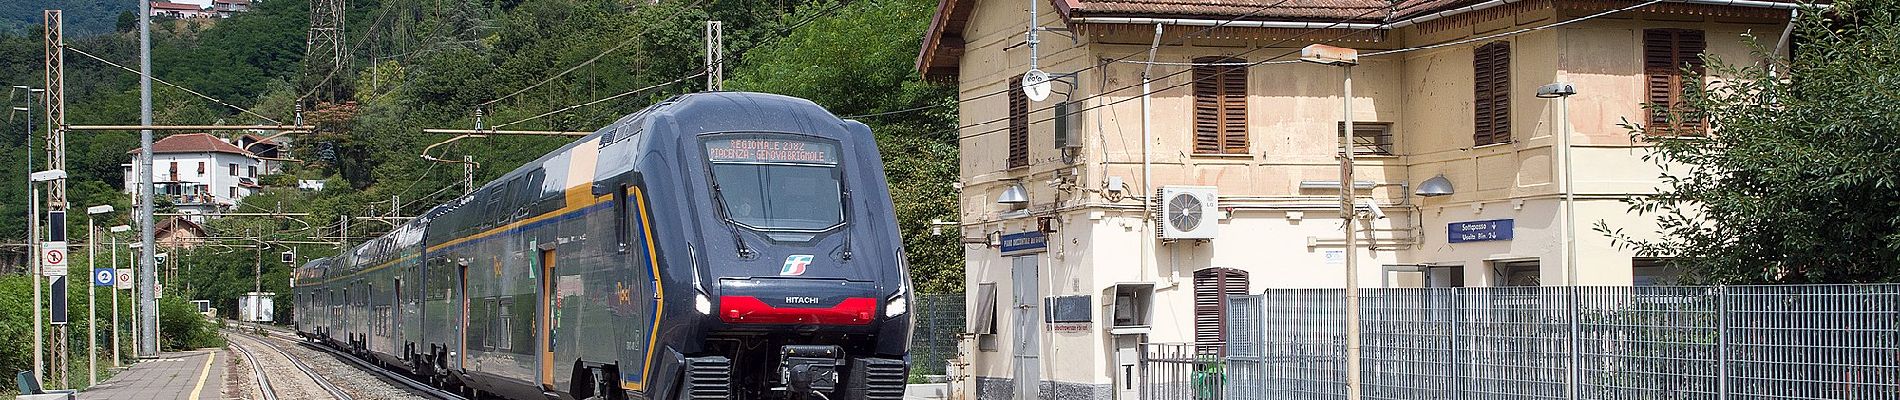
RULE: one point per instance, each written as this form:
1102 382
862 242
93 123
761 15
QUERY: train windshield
774 182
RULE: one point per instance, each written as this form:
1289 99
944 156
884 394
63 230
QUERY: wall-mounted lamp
1013 195
1437 186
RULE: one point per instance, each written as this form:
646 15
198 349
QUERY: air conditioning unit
1187 212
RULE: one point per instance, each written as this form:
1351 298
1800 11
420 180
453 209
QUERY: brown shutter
1491 90
1689 47
1018 124
1233 122
1211 288
1207 117
1220 106
1666 54
1500 92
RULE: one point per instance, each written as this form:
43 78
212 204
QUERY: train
717 245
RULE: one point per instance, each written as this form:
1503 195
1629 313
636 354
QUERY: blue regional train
717 245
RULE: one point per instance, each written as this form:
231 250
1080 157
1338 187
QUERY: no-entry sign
53 258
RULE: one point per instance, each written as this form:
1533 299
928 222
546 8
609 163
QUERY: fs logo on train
795 265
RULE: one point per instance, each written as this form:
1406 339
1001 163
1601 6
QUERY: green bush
183 328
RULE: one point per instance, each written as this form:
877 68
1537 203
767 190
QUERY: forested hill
83 17
432 63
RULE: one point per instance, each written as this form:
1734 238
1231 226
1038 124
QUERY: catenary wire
1271 60
367 37
597 57
1007 88
703 70
187 90
1276 60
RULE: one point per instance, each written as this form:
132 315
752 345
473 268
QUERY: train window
777 183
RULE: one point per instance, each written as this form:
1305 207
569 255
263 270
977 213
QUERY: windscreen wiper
719 200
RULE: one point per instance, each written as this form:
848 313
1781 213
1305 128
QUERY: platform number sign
124 279
103 277
53 258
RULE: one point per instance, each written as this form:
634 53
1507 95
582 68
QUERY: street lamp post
92 290
33 237
115 231
1562 92
1345 59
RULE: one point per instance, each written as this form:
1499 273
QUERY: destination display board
771 150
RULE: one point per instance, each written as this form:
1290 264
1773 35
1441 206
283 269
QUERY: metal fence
1710 342
939 320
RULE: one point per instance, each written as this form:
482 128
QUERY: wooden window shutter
1211 288
1666 54
1491 94
1018 124
1220 106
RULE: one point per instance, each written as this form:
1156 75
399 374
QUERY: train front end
799 282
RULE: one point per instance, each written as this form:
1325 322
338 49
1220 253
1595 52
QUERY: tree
844 59
1800 181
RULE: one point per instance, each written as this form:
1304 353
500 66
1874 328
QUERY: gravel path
291 383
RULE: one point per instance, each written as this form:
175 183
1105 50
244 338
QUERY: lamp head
100 209
1329 55
119 228
1556 90
1434 187
1013 195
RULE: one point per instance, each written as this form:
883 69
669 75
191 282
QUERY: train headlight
897 306
702 304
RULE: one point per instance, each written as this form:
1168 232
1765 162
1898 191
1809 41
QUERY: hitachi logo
801 300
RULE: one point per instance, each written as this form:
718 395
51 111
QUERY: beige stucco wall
1271 228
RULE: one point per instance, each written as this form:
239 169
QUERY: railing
1181 371
1691 342
939 318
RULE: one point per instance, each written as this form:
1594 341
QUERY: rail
405 380
322 382
257 374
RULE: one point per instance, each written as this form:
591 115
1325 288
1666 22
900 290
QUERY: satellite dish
1036 84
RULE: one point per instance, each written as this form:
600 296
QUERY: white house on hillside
199 173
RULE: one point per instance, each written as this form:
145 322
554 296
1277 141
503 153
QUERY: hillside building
181 10
198 173
1101 240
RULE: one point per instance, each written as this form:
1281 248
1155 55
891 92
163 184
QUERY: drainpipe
1147 171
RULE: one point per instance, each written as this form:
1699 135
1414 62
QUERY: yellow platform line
203 374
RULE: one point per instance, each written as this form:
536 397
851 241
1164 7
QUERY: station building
1098 240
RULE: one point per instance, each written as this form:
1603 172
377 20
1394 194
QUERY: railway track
393 376
263 380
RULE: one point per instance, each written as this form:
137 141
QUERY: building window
1517 273
174 171
1211 288
1654 272
1220 106
1669 55
1018 124
234 170
983 321
253 171
1491 84
234 195
201 168
1370 138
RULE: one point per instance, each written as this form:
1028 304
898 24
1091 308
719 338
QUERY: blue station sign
1022 242
1479 231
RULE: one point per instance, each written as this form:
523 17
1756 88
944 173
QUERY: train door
461 294
395 320
546 305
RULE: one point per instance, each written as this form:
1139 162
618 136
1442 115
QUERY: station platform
188 375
